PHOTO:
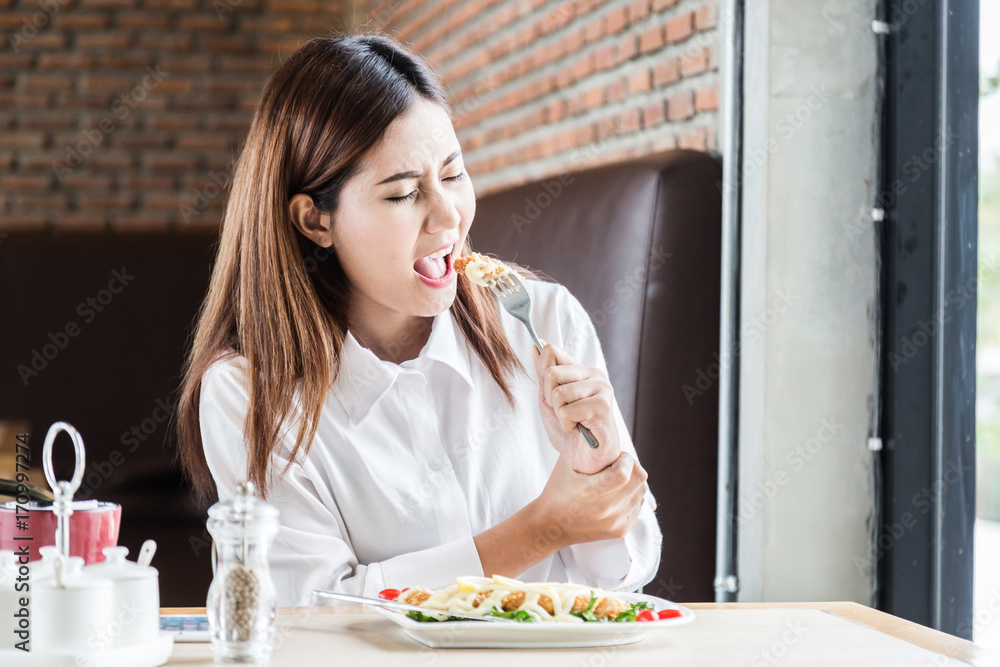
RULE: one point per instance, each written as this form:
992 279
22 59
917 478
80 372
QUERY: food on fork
526 602
482 270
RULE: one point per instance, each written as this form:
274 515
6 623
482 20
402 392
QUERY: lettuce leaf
424 618
588 613
632 611
516 614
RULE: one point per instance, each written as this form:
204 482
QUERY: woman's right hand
576 507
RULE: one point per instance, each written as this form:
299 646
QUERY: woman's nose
442 213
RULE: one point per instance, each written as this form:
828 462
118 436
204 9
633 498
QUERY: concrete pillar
808 329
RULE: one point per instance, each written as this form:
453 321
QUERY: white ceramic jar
136 603
9 597
70 610
42 568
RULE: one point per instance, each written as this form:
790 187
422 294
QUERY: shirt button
434 464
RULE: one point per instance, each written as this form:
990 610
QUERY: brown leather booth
637 243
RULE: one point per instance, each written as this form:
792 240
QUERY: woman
384 404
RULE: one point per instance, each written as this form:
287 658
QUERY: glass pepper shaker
242 603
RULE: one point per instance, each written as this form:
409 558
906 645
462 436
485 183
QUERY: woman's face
411 199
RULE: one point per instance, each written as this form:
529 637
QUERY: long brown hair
269 298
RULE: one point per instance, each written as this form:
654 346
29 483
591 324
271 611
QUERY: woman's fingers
559 380
643 475
613 498
643 478
580 411
559 355
616 475
570 393
544 360
556 368
537 355
631 478
636 495
552 355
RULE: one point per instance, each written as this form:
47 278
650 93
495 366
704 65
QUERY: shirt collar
364 379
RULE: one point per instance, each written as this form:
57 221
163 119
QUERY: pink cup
92 526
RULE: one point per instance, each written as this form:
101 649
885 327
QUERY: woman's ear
314 225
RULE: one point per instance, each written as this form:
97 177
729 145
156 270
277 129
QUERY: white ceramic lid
114 566
41 569
73 576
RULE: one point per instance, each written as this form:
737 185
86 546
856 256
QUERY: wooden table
759 635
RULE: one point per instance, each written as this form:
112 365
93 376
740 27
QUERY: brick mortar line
424 10
601 78
497 8
555 35
469 81
686 84
564 161
636 30
699 81
700 120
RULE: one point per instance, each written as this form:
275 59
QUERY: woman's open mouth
436 269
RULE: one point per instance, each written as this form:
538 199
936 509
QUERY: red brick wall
126 114
542 87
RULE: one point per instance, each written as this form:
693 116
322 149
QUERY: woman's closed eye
404 198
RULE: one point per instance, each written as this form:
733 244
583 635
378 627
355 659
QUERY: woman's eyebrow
414 174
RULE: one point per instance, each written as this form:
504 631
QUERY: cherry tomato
389 594
669 613
646 615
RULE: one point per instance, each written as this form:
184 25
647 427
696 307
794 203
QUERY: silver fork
402 606
515 299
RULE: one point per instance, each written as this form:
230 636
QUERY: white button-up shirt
411 460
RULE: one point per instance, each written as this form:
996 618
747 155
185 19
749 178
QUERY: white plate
478 634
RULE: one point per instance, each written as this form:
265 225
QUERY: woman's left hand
568 394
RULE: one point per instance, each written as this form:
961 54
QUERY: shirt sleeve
630 562
312 549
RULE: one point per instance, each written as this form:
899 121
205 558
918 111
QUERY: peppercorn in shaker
242 604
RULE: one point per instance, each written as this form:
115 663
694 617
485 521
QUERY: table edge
941 643
908 631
